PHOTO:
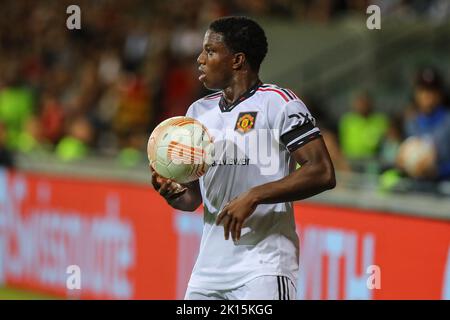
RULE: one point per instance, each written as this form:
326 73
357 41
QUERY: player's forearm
309 180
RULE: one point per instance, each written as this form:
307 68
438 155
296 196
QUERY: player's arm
186 198
315 176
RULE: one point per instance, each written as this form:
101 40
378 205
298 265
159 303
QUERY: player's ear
238 60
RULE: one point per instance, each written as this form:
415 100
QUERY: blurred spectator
134 106
51 118
430 111
136 46
431 122
131 154
16 105
31 139
109 67
361 131
179 89
76 144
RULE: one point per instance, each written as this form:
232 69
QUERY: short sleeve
296 126
190 111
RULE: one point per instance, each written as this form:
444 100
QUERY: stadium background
77 106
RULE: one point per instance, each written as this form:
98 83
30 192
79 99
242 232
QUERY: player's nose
200 58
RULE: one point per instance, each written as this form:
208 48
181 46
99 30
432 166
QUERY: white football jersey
253 139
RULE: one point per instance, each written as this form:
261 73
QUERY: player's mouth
202 75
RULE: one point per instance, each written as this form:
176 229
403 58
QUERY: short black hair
242 34
428 78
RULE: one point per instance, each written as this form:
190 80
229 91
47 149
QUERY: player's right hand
167 188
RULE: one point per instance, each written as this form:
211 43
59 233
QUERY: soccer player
261 260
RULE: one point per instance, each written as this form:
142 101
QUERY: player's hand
167 188
234 214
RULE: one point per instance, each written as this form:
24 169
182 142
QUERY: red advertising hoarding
129 244
412 254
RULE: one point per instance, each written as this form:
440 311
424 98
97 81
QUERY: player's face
215 62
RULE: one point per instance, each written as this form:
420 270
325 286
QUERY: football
180 149
417 157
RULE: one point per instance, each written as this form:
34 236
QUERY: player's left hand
235 213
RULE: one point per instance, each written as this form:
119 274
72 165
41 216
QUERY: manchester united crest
245 122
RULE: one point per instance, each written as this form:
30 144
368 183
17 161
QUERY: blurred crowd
102 89
411 142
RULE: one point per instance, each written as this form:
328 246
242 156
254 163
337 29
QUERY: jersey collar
224 107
